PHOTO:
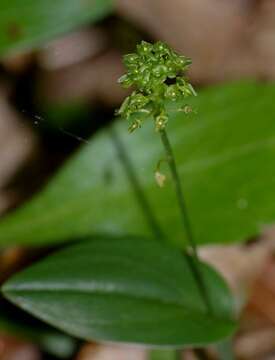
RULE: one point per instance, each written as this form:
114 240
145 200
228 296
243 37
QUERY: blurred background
57 89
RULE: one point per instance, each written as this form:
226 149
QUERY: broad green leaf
30 23
50 340
226 159
124 290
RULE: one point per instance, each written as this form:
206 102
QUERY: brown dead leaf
12 349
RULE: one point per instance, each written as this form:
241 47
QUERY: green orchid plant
157 74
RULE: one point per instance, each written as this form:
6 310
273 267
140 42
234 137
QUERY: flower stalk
157 74
195 262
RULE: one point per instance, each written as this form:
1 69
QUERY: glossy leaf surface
124 290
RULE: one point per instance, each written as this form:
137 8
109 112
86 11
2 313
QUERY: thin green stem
164 355
194 261
137 188
179 192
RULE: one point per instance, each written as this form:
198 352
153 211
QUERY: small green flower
156 72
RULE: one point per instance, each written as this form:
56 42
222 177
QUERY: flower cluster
157 74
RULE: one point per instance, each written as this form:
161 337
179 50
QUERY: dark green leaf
124 290
226 158
30 23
